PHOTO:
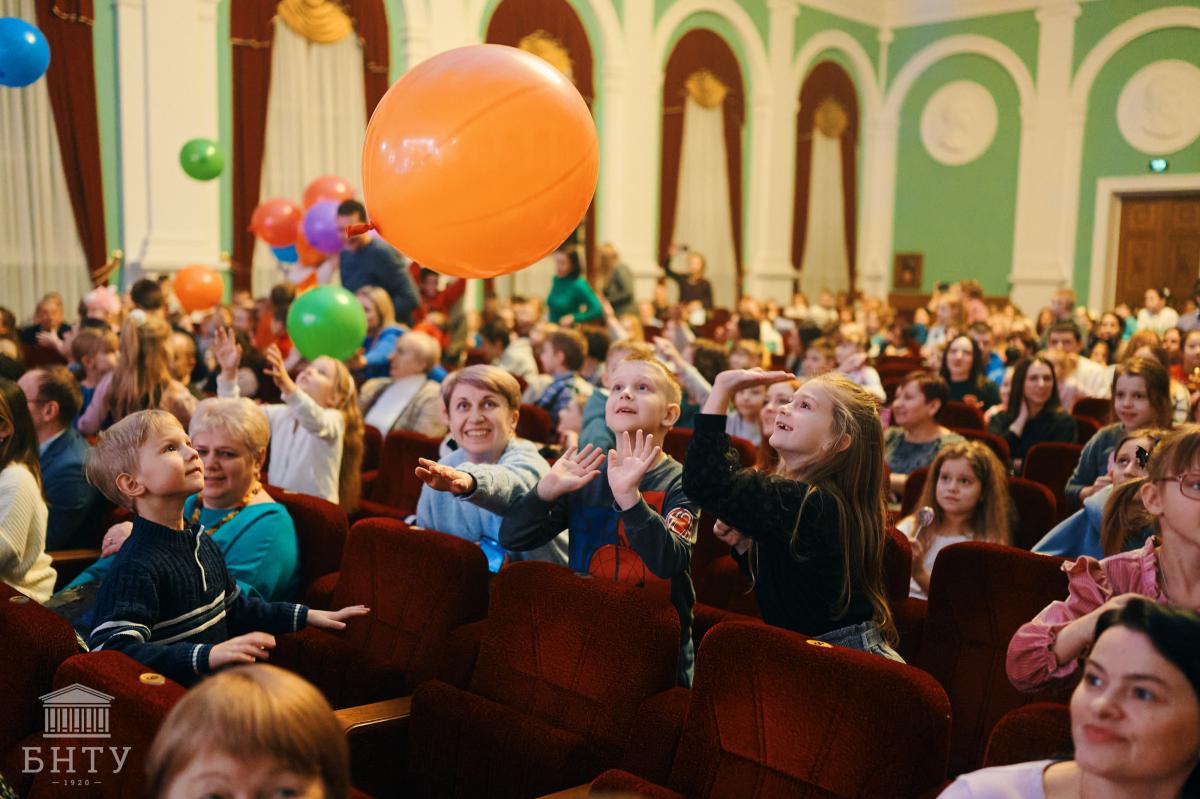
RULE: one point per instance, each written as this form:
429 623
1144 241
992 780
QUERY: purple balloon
320 227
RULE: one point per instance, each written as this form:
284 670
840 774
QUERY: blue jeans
864 637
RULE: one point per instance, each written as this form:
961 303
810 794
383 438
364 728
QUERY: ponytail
1124 517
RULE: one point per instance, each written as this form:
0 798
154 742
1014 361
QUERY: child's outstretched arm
321 422
542 513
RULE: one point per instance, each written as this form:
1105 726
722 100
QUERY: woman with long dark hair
24 563
1034 413
963 370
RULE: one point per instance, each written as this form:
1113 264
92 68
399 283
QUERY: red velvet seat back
897 566
535 424
1085 427
912 490
34 641
321 530
576 653
397 484
419 585
1037 512
1051 463
979 595
1098 408
960 414
136 712
372 448
1035 732
773 714
676 442
994 442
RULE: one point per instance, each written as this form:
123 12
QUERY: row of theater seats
542 680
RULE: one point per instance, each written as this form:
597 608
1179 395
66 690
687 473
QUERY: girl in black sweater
812 534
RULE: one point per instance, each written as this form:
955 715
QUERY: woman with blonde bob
482 404
967 490
259 730
142 379
255 534
383 331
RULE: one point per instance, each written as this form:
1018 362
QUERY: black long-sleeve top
1054 425
689 290
798 586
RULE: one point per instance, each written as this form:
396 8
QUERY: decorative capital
886 35
1057 9
787 8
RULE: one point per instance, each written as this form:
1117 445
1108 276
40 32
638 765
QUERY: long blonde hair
143 373
852 477
1124 514
993 516
345 399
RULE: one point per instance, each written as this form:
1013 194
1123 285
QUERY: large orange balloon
479 161
198 287
277 221
327 187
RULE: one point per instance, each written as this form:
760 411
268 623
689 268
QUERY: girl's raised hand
277 370
227 352
734 380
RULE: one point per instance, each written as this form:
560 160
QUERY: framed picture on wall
906 271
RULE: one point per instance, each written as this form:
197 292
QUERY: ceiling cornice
910 13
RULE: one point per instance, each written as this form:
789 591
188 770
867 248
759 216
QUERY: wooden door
1159 246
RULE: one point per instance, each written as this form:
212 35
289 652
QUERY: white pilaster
768 268
876 210
1048 174
610 222
170 219
641 140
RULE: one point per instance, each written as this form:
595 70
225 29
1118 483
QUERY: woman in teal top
571 299
254 532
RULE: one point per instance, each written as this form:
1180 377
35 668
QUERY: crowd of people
171 416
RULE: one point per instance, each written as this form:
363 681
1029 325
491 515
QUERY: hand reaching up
571 472
628 464
227 352
278 371
444 478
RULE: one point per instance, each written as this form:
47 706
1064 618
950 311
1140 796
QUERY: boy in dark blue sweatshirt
169 602
643 404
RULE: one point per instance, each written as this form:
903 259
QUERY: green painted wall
810 21
104 48
1098 18
960 217
1105 151
397 45
1019 31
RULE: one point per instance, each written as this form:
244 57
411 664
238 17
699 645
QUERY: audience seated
1033 413
54 399
562 356
1135 715
916 438
964 370
407 399
382 334
24 564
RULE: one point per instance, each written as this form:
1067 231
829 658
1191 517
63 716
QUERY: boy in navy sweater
643 404
169 602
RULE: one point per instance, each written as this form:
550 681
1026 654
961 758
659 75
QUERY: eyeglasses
1189 484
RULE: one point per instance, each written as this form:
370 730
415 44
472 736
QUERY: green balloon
329 321
202 159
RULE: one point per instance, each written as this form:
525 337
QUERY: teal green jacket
572 295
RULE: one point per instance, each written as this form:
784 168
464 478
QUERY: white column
876 204
1048 175
611 199
641 140
769 271
167 95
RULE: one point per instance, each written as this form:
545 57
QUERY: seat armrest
654 735
320 591
374 717
578 792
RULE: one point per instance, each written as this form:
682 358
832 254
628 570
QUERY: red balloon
309 255
479 161
198 287
277 221
327 187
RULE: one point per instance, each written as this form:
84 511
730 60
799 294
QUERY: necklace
195 518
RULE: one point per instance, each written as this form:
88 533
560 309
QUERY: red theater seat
1097 408
1036 511
321 530
34 641
372 448
1035 732
138 708
535 424
773 714
1051 463
997 444
565 664
978 596
960 414
678 438
394 490
419 585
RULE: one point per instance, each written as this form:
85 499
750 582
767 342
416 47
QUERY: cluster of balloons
308 236
24 53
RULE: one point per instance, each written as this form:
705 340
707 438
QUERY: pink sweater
1031 661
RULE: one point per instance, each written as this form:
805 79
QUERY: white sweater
24 563
306 443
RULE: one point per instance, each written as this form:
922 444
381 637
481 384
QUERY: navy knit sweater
169 599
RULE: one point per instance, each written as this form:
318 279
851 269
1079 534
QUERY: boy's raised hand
227 352
246 648
444 478
628 464
335 619
571 472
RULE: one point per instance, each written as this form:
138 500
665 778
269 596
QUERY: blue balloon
24 53
286 255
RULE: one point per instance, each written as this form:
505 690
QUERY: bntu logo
75 712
